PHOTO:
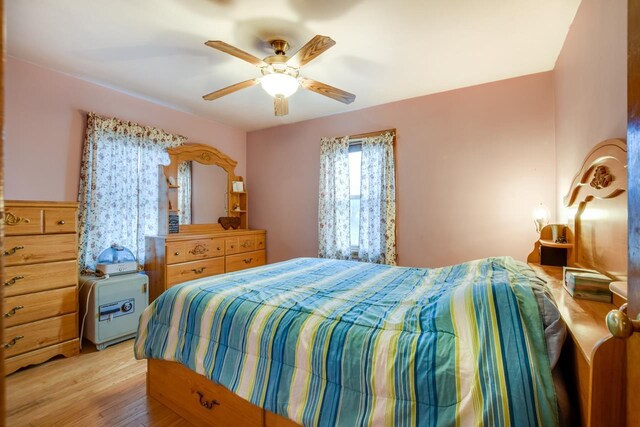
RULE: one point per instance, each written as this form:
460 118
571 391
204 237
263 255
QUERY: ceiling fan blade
326 90
309 51
231 50
280 105
230 89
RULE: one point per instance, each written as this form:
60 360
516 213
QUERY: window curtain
118 191
333 206
378 201
184 192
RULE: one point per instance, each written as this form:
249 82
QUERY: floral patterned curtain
378 201
118 191
333 209
184 192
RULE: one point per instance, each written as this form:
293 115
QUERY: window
355 162
118 191
356 204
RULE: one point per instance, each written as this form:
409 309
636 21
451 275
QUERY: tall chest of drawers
40 280
177 258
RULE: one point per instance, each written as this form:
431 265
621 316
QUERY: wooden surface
584 318
599 226
591 351
197 399
207 155
33 278
105 388
546 239
633 138
170 258
40 282
39 305
246 260
598 231
2 132
39 249
185 391
179 273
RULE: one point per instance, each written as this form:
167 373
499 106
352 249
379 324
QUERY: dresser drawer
179 273
39 305
34 335
24 279
201 401
246 244
34 249
245 260
175 252
204 248
22 220
231 245
261 242
60 221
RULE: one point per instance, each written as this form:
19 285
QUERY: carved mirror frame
207 155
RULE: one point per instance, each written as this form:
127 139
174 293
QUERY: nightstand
548 252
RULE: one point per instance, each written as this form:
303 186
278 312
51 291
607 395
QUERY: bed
324 342
327 342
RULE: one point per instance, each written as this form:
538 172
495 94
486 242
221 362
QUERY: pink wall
472 164
590 80
45 124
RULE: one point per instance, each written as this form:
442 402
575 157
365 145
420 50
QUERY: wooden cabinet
177 258
40 281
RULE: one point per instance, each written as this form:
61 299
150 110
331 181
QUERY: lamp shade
279 84
541 217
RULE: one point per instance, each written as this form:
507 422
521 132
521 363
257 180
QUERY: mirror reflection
202 193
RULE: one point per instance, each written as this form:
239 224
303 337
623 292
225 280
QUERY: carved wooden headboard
598 202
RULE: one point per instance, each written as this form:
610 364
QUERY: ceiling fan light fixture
279 84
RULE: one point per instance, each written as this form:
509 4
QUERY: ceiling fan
281 74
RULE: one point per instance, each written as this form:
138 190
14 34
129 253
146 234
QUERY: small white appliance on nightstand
110 308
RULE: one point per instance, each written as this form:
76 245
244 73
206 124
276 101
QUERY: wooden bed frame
593 362
592 359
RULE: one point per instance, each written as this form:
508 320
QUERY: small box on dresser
40 282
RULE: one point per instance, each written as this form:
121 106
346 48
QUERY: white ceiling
386 50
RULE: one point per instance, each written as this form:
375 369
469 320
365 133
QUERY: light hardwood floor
97 388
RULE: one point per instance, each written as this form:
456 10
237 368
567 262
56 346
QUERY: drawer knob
13 311
232 246
176 253
13 280
218 248
209 404
199 250
13 341
198 270
61 222
13 250
247 261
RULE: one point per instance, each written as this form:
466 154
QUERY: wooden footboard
202 402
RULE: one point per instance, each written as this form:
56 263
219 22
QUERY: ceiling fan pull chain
280 105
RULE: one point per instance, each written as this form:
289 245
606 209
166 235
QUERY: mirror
194 206
202 193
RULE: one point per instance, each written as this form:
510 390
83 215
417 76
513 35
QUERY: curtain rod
376 133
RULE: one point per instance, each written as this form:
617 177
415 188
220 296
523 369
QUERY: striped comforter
326 342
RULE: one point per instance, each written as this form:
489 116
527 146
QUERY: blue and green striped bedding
341 343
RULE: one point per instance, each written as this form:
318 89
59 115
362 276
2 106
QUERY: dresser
40 303
177 258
